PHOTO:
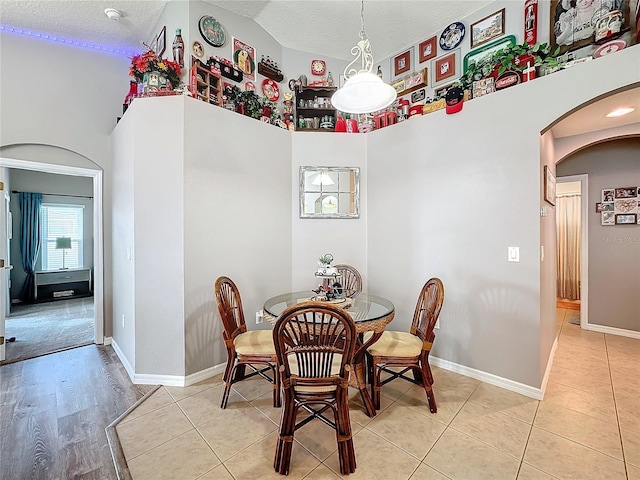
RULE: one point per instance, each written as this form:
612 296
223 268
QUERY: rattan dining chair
350 279
244 348
409 349
314 345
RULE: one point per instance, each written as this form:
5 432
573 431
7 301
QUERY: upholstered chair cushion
396 344
255 342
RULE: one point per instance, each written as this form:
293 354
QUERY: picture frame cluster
619 206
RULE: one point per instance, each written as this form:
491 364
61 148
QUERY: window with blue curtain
62 221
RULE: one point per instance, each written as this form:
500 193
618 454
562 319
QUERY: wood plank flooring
54 410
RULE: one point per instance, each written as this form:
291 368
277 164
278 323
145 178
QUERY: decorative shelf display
226 68
270 71
205 83
313 109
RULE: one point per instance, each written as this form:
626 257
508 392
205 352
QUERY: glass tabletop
364 308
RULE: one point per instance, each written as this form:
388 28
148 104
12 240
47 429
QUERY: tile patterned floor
587 427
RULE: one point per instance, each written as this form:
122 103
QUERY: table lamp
63 243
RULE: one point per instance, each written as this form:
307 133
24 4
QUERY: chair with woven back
350 279
314 345
409 350
244 348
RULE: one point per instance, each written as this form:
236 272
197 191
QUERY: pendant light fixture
363 91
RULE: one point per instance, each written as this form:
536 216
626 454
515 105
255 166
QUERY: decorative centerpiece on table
330 290
154 73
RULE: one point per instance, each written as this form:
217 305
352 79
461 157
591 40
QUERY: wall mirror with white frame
329 192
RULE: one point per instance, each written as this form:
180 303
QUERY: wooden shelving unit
324 108
205 84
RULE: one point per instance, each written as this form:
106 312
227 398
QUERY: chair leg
375 384
346 452
240 373
277 395
282 460
227 386
427 381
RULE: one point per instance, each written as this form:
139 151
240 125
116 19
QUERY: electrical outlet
259 317
123 320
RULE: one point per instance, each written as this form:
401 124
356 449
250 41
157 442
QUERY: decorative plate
212 31
270 89
452 36
609 47
318 67
198 49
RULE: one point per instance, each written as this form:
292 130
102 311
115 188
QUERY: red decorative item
347 126
133 92
318 67
531 22
385 119
270 89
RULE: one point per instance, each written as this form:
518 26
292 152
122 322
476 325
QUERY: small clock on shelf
318 67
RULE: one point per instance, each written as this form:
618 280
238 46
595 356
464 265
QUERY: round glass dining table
370 313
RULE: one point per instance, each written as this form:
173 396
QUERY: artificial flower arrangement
150 62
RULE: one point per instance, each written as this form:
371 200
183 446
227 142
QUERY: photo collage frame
619 206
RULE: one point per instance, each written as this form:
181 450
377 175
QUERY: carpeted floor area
49 327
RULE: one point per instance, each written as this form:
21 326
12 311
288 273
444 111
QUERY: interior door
5 268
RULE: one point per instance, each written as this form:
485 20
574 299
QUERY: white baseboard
612 330
167 380
547 371
107 340
123 359
501 382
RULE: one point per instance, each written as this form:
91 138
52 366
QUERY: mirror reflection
329 192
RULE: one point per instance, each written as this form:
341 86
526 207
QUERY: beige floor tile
376 459
319 438
631 445
569 460
407 429
590 431
205 405
505 401
622 344
218 473
628 406
265 405
633 473
459 456
396 388
178 393
322 472
234 431
158 399
448 403
148 431
256 462
501 431
455 383
185 457
527 472
596 404
579 380
356 407
586 366
425 472
253 387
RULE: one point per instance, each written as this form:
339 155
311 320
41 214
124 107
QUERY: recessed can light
620 111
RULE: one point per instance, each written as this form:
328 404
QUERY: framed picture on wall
402 63
626 219
608 218
549 186
446 68
487 28
427 49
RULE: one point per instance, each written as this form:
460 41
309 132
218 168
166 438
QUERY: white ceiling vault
323 27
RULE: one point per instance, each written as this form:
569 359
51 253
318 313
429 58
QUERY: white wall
237 207
344 238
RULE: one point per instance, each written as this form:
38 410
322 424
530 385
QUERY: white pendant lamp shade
365 92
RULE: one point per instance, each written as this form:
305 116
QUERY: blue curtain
30 240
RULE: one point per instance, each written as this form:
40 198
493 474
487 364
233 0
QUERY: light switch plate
514 254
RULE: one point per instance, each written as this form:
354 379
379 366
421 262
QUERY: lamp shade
364 92
63 242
